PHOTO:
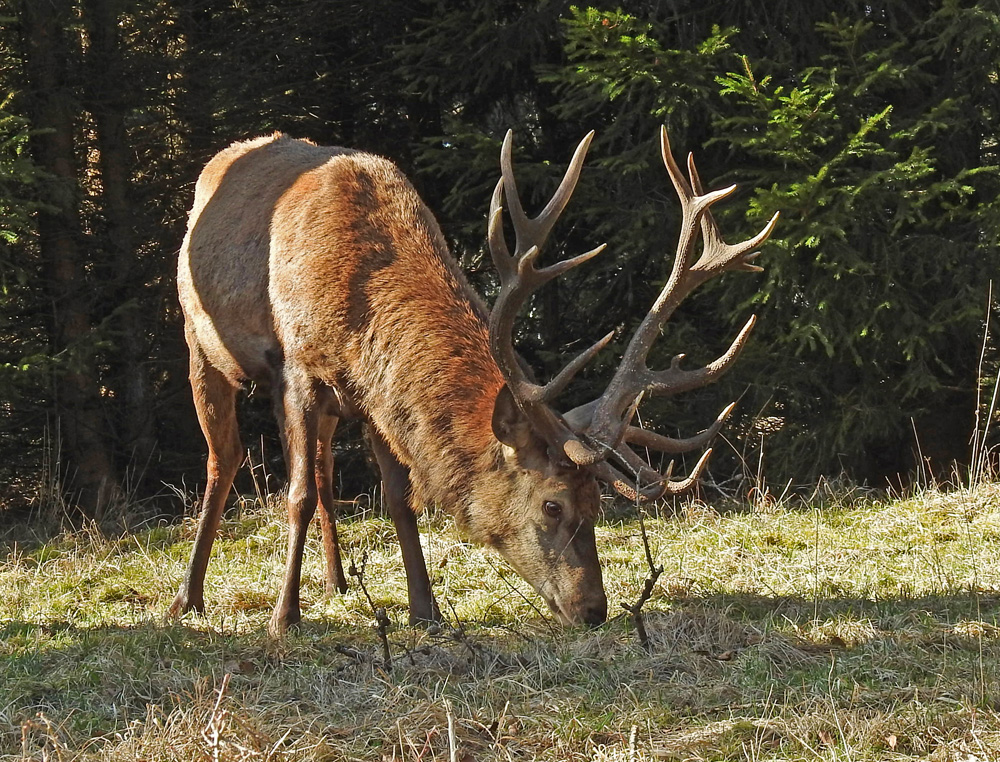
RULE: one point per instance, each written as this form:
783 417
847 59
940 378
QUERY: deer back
326 261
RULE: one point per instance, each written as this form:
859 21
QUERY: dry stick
382 622
981 453
216 723
973 467
353 653
40 721
654 571
459 635
452 736
382 627
924 473
647 590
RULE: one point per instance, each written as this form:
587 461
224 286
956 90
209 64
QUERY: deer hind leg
297 412
327 425
395 485
215 404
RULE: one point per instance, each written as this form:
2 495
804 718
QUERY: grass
861 629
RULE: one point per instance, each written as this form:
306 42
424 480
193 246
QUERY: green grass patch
860 630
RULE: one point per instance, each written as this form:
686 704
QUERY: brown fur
319 274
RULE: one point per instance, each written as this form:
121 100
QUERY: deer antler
519 278
606 422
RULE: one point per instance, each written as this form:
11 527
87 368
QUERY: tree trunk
85 460
197 28
106 102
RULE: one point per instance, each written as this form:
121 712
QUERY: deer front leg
295 409
335 579
215 404
395 485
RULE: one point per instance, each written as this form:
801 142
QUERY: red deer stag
319 274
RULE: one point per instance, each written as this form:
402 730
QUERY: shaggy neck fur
422 370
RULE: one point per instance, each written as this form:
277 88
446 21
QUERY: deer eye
552 509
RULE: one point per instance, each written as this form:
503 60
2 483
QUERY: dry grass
856 630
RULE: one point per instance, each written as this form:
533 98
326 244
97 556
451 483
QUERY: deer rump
319 274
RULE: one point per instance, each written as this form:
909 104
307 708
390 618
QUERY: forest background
871 126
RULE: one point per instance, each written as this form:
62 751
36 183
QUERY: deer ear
509 424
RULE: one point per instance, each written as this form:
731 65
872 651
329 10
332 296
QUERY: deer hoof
183 603
282 622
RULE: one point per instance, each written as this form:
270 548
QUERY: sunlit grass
859 629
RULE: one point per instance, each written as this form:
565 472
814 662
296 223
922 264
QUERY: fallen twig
382 622
635 609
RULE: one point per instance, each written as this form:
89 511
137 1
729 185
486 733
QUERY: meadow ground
848 628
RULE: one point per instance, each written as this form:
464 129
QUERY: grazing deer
319 274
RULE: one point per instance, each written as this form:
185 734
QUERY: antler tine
717 254
674 380
533 232
683 485
626 487
562 379
643 438
498 245
637 491
693 201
